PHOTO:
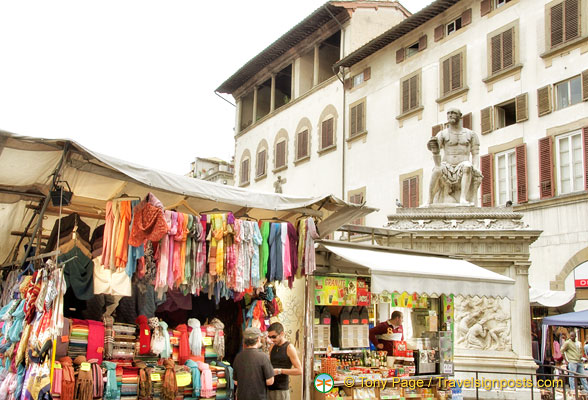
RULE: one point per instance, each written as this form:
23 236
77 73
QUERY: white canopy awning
550 298
393 270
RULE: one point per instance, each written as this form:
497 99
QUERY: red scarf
184 343
68 379
144 334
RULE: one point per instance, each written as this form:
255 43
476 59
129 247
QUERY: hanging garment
293 240
286 263
184 343
309 251
149 222
275 260
83 389
66 226
108 337
206 388
111 281
195 378
111 392
68 379
166 352
134 253
57 378
144 388
301 246
170 386
256 239
195 337
157 339
144 334
78 273
264 250
163 250
122 240
97 382
219 338
96 341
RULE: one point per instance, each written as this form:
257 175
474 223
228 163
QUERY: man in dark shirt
382 334
252 368
285 361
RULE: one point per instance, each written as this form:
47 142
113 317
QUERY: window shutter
245 171
487 190
436 129
348 83
260 163
521 156
495 53
507 48
522 108
399 55
422 42
414 191
456 63
544 100
486 117
360 117
556 19
327 133
585 137
367 73
466 17
546 188
585 85
466 121
353 129
406 193
280 154
405 95
414 83
572 19
446 76
440 32
302 145
485 7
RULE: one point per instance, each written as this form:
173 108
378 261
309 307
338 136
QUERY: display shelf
350 351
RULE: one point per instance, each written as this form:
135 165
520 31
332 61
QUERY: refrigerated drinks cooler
446 352
434 353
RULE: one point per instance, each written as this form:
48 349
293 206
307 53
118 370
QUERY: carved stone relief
482 323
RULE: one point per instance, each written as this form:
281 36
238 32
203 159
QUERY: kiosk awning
396 271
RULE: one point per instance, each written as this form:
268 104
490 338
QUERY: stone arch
282 135
263 145
244 177
328 112
577 259
303 125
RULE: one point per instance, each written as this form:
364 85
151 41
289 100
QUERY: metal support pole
56 174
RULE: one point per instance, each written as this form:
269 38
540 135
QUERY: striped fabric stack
157 383
130 383
124 341
78 340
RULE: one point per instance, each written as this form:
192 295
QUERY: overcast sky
135 79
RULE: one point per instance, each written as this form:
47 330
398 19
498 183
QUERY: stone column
273 94
315 74
254 118
239 112
521 312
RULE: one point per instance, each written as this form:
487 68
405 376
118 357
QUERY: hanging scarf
166 353
95 350
195 337
111 392
309 256
144 388
83 388
157 339
206 389
170 386
195 377
219 338
97 383
57 379
108 337
68 379
144 334
184 343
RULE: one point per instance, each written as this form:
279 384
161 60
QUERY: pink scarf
95 341
206 389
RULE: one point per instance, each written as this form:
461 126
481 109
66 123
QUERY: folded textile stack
124 341
174 340
78 339
156 378
130 382
208 351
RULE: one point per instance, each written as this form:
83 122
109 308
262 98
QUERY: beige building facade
516 69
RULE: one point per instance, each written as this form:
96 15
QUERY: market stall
359 286
149 275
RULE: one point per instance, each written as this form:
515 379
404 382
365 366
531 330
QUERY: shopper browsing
385 333
573 354
252 368
285 361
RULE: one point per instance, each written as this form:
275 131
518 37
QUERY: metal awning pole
55 174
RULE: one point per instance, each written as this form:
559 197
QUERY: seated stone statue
455 179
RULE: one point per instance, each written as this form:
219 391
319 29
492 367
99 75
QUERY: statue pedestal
496 239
